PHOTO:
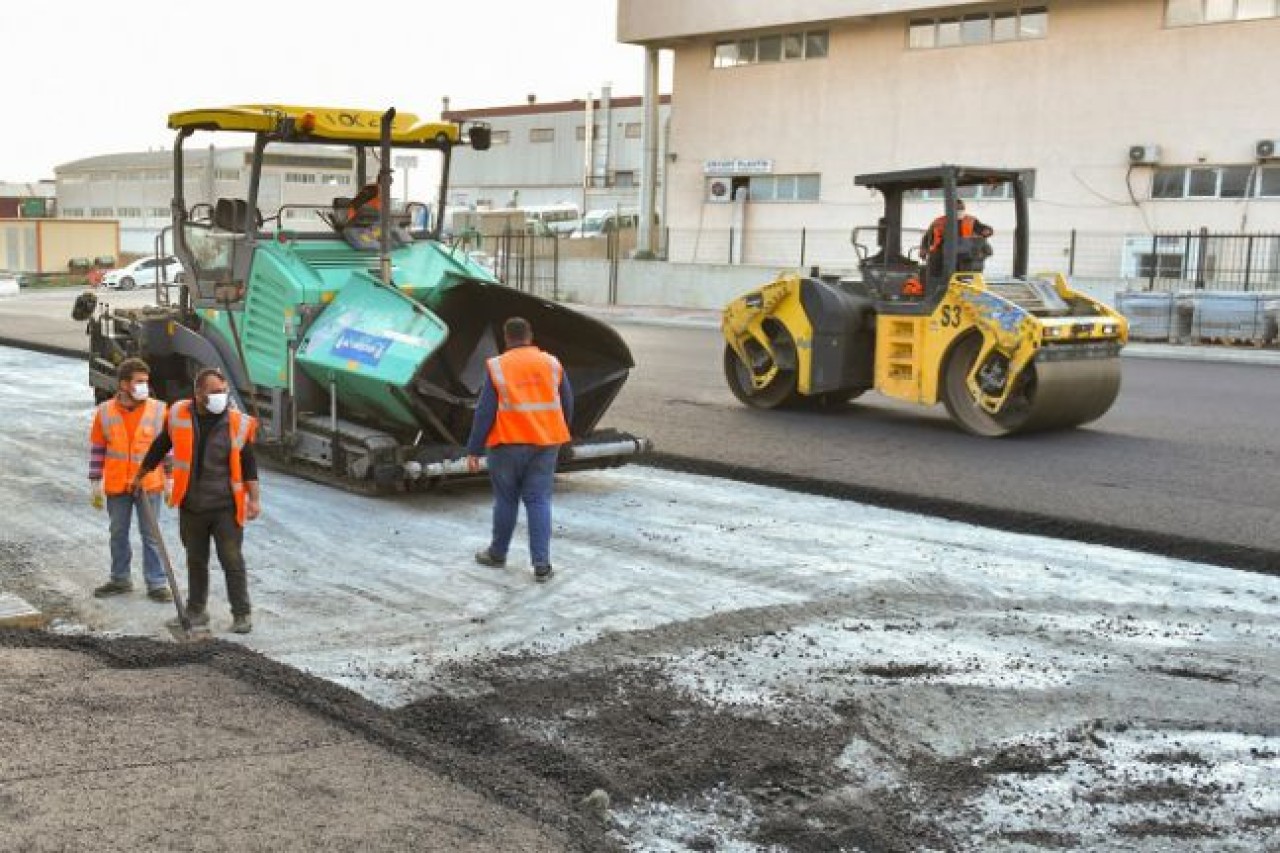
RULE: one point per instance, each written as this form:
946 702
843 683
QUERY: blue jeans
522 472
121 509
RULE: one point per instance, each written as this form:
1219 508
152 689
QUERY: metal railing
1164 261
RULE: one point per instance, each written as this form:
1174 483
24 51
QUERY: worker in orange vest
215 486
968 226
123 428
521 419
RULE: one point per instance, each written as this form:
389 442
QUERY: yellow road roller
925 324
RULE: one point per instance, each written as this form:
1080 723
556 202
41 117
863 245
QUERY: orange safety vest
182 433
527 381
124 457
939 227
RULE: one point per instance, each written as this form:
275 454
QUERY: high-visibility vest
527 382
939 227
182 433
124 456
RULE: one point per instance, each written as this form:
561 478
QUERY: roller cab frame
360 343
1004 354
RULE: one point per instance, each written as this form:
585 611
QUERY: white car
145 272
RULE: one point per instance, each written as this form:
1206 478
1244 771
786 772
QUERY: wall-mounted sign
737 166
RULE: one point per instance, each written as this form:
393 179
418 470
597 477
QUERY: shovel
184 631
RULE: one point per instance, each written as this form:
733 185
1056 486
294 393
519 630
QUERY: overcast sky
89 78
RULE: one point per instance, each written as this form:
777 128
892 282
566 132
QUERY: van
598 223
558 219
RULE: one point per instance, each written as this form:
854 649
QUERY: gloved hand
168 491
99 499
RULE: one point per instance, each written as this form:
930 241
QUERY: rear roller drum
781 389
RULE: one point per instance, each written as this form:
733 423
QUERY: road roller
354 330
923 323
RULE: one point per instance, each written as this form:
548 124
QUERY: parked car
145 272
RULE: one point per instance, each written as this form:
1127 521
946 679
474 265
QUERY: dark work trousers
197 528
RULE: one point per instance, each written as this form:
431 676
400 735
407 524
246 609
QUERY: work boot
198 619
113 587
542 573
484 558
241 624
160 593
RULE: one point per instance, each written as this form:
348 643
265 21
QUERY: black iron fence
1202 260
1165 261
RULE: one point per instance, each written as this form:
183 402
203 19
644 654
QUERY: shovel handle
153 526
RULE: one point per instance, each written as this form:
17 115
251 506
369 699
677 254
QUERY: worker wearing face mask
215 485
123 428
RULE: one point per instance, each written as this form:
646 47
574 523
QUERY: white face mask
217 403
140 391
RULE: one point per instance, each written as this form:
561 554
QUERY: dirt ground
856 679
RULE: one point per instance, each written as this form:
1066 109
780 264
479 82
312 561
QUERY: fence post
555 268
1155 261
1071 257
1204 245
731 247
1248 260
803 242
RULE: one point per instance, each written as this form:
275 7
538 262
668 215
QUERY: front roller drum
1051 394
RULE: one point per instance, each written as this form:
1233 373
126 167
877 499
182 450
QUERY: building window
300 177
158 212
784 187
129 212
73 212
499 137
542 134
157 175
624 179
101 212
811 44
1008 24
994 192
1201 182
227 174
580 133
1185 13
335 180
632 130
1268 185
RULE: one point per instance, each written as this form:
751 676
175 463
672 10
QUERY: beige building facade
1130 117
135 189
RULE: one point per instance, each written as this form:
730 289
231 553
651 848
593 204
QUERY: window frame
956 29
793 46
1196 13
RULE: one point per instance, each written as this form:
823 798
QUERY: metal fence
1204 261
1187 261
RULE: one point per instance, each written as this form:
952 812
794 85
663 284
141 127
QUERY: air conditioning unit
1144 155
719 190
1267 149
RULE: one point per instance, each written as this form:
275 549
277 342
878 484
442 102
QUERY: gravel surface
717 665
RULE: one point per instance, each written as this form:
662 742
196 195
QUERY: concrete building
27 200
582 152
30 245
1130 117
136 188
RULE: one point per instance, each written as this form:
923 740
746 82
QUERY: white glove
99 498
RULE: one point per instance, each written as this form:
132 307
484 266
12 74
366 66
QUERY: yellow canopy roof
328 124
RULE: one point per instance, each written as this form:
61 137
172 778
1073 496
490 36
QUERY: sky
90 78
